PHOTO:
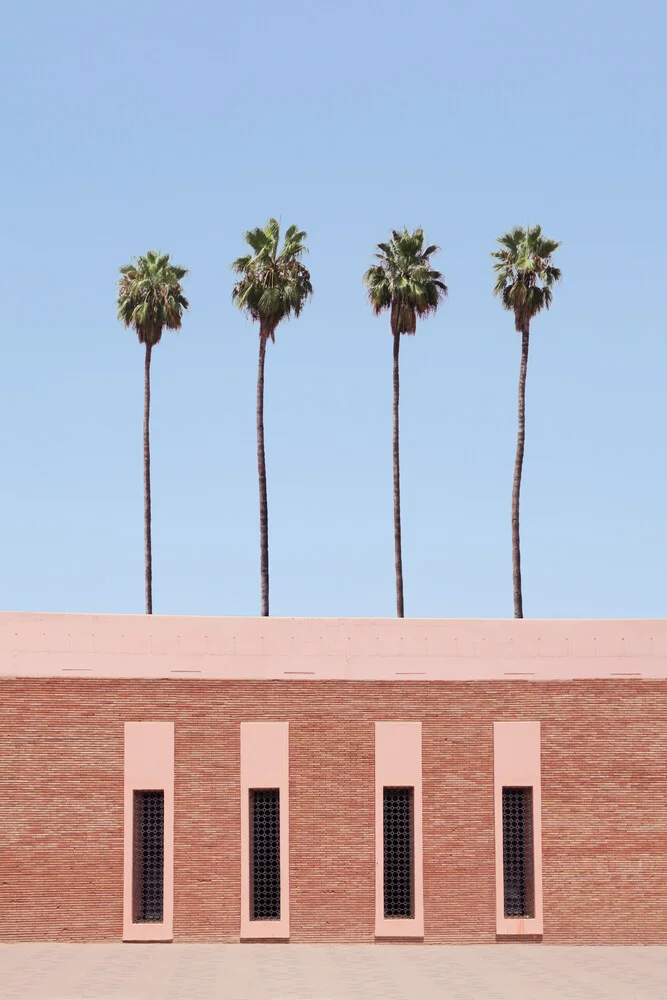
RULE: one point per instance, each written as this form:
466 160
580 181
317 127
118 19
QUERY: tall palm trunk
518 469
148 550
398 557
261 475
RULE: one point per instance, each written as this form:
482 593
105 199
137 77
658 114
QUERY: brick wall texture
604 815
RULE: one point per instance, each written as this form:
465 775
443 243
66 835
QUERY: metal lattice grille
398 852
148 857
518 877
265 854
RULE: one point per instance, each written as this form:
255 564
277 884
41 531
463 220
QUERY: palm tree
273 285
405 283
525 276
150 299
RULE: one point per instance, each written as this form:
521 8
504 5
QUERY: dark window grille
518 866
398 853
148 859
265 854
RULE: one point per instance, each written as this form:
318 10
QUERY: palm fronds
273 284
404 281
525 274
150 296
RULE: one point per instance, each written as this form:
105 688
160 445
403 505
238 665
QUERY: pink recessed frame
516 763
398 763
265 764
149 765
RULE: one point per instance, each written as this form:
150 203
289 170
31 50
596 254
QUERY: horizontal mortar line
351 674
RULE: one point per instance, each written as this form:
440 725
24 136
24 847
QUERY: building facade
330 780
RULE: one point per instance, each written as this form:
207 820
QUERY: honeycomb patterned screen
398 853
265 854
518 852
148 857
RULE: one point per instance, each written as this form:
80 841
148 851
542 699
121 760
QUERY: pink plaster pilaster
265 764
149 766
516 763
398 763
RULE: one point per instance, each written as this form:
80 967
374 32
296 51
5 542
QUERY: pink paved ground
329 972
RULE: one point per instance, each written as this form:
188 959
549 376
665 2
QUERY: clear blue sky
178 126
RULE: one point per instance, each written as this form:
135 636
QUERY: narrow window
148 860
398 852
265 854
518 869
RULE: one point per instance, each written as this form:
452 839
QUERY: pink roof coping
159 646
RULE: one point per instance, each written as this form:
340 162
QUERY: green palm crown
150 297
525 274
273 284
404 280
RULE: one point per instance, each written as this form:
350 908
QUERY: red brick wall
604 787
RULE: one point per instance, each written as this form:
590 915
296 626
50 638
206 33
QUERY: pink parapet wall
149 766
129 646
